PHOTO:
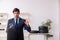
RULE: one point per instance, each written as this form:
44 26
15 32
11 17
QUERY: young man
15 26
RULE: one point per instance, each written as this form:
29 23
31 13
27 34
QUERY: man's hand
27 22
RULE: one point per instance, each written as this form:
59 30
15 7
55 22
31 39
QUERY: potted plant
47 23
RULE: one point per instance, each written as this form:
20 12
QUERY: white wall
40 10
59 18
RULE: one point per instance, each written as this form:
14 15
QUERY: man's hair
16 10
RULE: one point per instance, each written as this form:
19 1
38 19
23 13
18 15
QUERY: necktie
16 22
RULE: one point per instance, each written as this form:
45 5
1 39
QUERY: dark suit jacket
14 33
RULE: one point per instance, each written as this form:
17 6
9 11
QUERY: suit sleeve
7 26
28 28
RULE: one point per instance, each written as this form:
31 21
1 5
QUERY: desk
37 36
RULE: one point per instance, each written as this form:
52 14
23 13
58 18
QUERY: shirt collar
15 19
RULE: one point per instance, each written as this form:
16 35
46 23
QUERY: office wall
40 10
59 18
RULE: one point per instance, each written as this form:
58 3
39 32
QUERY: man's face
16 14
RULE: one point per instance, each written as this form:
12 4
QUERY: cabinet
3 20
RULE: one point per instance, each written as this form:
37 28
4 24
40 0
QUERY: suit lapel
13 21
20 22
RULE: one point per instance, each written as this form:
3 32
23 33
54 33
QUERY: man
15 26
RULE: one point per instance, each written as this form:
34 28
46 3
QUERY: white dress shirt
17 21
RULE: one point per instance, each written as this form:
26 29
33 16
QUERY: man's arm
7 26
27 26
